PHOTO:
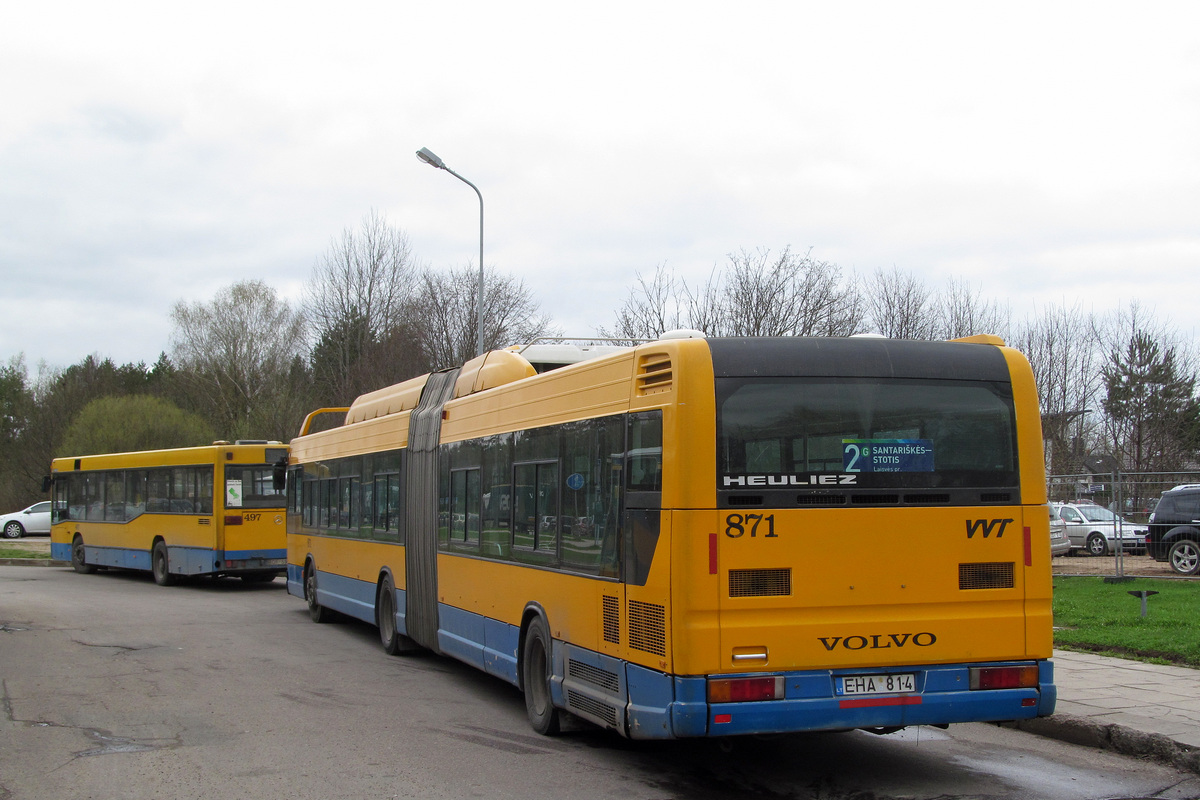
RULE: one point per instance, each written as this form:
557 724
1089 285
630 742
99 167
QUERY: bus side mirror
47 482
279 475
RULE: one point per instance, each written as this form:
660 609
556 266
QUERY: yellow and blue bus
216 510
701 537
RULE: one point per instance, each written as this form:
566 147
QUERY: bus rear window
252 487
878 433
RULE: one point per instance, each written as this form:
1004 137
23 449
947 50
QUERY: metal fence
1133 493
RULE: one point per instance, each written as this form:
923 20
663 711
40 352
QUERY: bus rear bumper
811 705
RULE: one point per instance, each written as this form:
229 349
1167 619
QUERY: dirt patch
1137 566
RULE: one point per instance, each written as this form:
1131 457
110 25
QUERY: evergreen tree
1151 403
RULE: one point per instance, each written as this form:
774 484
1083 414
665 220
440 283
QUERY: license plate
877 684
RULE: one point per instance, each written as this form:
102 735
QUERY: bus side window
644 471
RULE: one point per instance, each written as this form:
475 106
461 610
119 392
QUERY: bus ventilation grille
612 620
926 499
995 497
821 500
654 374
875 499
760 582
647 628
592 708
601 678
993 575
204 521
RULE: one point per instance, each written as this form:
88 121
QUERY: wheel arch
1181 532
533 610
385 573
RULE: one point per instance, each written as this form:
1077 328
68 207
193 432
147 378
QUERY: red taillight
744 690
233 519
1004 677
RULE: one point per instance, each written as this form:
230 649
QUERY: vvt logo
987 527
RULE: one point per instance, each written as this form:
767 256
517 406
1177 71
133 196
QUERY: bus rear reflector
233 519
1004 677
742 690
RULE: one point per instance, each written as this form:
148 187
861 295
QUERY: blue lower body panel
180 560
349 596
646 704
810 703
482 642
643 703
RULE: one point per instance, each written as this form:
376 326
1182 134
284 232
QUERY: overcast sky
153 152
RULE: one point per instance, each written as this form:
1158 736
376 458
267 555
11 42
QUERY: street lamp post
426 155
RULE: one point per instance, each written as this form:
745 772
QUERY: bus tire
79 558
385 618
160 564
536 669
316 611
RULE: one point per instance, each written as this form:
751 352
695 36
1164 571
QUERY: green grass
1100 617
7 551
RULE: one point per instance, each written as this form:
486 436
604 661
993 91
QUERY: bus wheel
536 670
160 564
79 559
394 642
316 611
385 617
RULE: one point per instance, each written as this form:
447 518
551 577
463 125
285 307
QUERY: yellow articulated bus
701 537
216 510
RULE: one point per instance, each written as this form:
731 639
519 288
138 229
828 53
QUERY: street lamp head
428 156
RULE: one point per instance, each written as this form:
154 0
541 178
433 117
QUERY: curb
1118 738
33 562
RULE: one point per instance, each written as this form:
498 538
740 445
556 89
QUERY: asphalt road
116 688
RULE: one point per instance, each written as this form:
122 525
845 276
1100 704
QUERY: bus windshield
886 433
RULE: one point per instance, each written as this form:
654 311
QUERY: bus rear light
233 519
1004 677
743 690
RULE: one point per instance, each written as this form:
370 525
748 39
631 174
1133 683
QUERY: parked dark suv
1175 529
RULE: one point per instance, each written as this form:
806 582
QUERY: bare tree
650 309
961 311
238 352
785 295
759 293
446 311
900 306
1060 345
357 301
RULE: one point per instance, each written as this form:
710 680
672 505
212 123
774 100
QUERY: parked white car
35 519
1060 545
1094 528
